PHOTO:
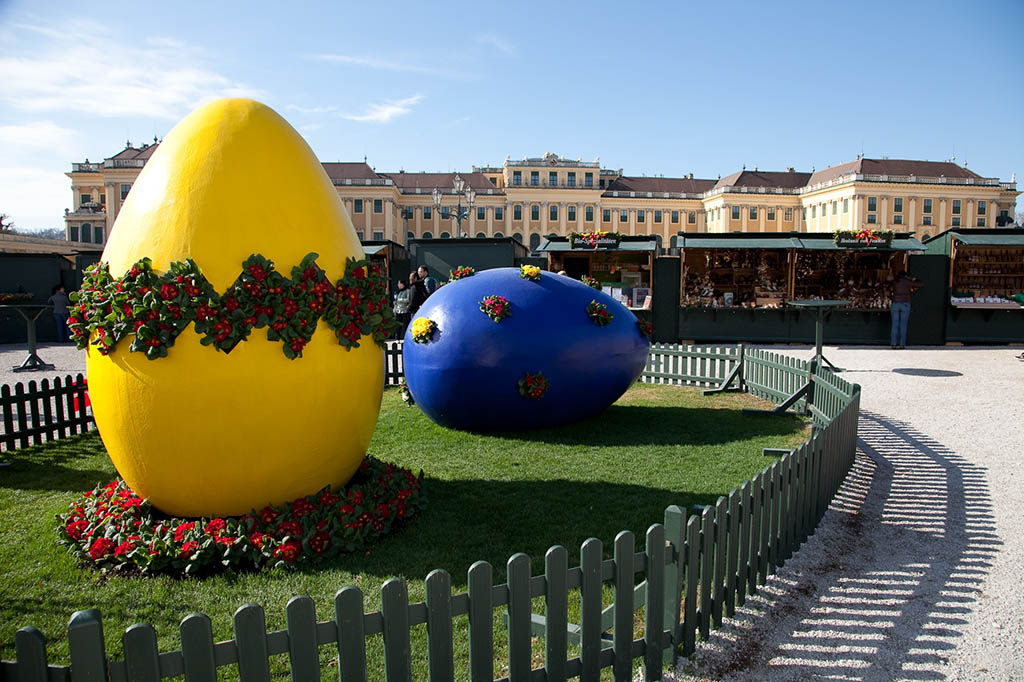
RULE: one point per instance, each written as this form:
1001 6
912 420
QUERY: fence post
85 643
30 648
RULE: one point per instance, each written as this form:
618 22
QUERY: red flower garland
533 386
495 307
110 527
590 282
461 272
598 313
646 328
157 308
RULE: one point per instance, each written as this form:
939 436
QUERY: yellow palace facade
534 198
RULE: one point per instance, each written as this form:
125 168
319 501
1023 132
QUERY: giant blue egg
467 376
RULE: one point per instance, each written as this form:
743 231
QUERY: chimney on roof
690 176
789 169
755 167
128 144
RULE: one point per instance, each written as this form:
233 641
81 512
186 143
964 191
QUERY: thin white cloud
157 77
310 110
383 113
40 134
386 65
497 43
310 127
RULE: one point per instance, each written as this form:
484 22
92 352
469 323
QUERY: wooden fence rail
697 567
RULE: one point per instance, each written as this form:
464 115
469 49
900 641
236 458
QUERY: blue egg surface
467 376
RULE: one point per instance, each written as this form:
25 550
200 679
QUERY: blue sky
652 88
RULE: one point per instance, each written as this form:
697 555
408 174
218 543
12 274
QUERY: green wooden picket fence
40 412
698 566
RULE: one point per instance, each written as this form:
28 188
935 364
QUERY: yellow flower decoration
422 329
530 272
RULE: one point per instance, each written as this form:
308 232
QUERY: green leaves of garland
157 308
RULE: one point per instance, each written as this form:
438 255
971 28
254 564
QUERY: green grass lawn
490 496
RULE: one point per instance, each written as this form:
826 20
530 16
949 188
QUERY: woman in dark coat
418 294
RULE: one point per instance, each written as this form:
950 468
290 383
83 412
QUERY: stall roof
1005 238
624 245
686 242
373 249
899 243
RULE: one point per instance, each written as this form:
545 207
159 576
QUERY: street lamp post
462 190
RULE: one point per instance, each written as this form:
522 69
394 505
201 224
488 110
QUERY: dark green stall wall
665 306
35 274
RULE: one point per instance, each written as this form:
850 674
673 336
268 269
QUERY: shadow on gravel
885 588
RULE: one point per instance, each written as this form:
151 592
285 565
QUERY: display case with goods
985 284
621 265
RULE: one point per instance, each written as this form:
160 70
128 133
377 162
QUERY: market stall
623 265
736 286
391 257
985 284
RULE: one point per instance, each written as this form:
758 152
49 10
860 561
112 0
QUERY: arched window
498 234
518 237
86 232
427 235
480 235
534 241
445 235
410 235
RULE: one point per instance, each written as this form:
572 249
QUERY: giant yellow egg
203 432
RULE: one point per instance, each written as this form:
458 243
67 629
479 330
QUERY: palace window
86 232
518 236
588 180
657 216
428 213
481 235
572 214
553 212
378 236
571 179
641 215
427 235
788 216
897 205
534 212
956 221
125 188
498 235
805 213
357 206
85 199
981 223
606 215
814 211
928 207
552 179
410 235
517 212
359 234
446 212
97 234
871 219
481 213
517 178
927 220
499 213
73 233
956 207
589 214
771 214
846 205
445 235
872 204
752 213
835 207
534 178
982 207
897 219
691 218
378 205
623 216
675 217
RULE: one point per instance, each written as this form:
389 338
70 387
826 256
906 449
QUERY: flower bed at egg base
110 528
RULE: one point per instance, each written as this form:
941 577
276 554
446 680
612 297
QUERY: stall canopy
555 245
1015 238
824 242
373 249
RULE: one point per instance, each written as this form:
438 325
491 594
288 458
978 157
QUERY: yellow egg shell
201 432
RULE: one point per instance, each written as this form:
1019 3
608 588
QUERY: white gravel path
915 572
65 358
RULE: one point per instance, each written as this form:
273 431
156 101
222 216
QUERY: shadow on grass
470 520
647 425
58 466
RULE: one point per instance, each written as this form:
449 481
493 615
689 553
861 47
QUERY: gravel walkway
914 573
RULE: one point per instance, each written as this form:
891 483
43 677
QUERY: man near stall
429 283
902 286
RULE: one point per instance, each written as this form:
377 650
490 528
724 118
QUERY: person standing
417 293
902 286
429 283
59 300
401 307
